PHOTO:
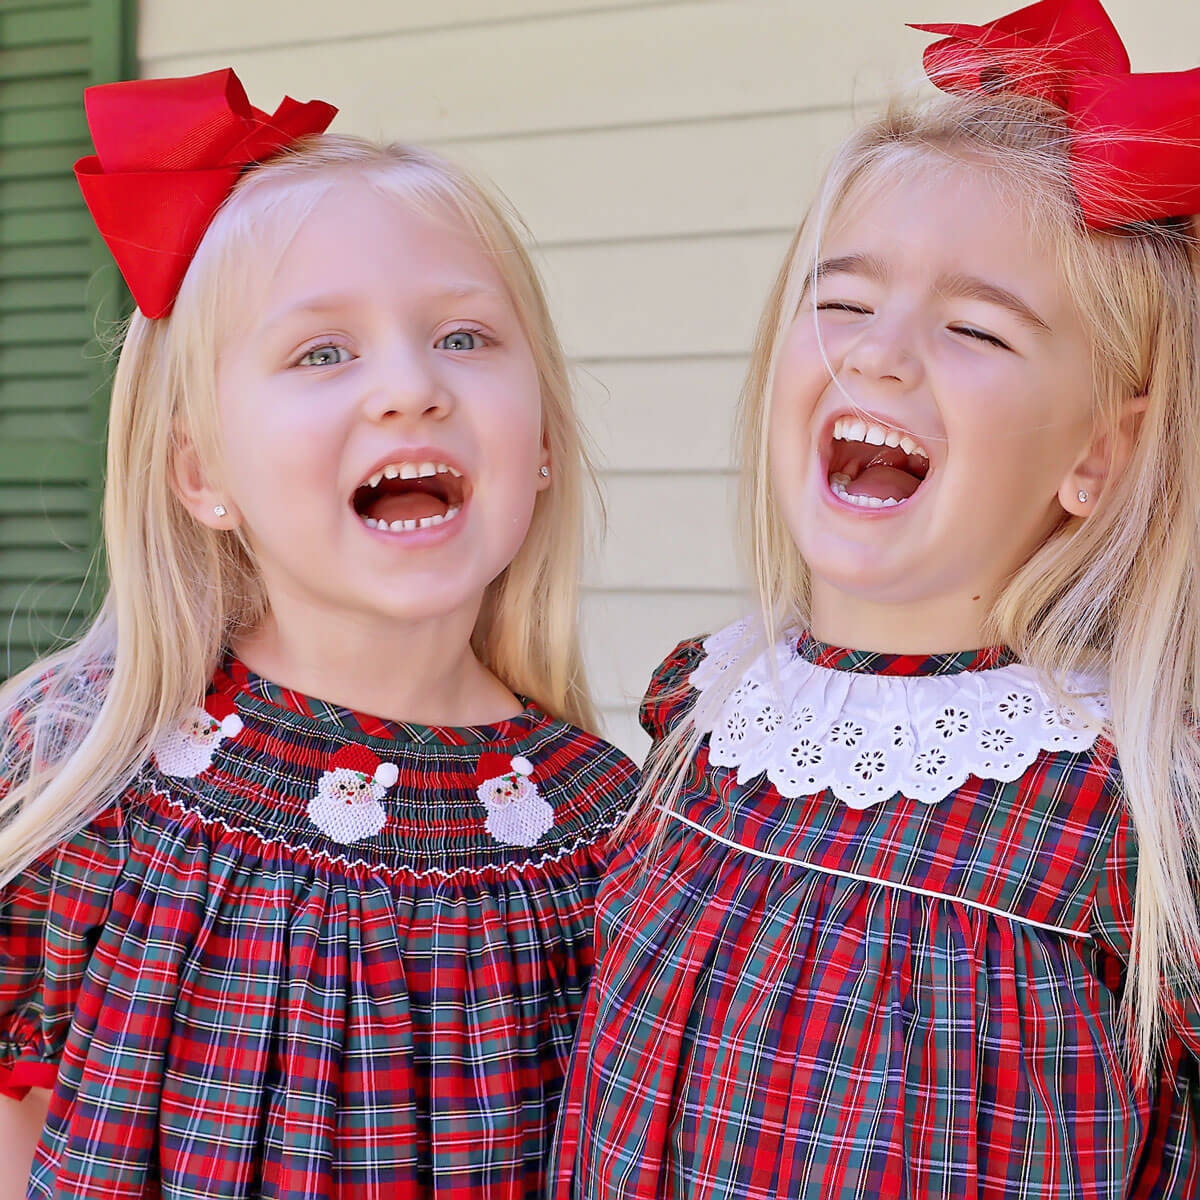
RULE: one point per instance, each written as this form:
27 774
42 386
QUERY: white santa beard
180 756
522 823
344 822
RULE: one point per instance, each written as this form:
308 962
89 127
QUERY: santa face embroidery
347 806
187 751
516 813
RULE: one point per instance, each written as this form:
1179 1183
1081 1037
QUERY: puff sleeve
50 917
670 696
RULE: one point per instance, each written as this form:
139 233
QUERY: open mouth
410 495
872 466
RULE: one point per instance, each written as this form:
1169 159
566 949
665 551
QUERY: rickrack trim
871 879
870 737
385 869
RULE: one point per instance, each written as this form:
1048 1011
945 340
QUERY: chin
871 571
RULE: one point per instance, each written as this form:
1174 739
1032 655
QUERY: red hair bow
168 152
1135 139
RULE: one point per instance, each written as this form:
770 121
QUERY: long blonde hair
1116 591
75 726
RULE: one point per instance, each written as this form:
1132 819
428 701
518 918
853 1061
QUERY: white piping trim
380 868
903 887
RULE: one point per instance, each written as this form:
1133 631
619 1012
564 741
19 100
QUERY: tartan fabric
795 998
240 1006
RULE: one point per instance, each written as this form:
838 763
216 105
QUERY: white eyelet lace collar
868 737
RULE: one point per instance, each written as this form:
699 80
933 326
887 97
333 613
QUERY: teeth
403 526
410 470
837 485
847 429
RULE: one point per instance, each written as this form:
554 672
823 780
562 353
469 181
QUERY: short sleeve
50 917
670 695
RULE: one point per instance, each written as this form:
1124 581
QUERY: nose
406 384
884 353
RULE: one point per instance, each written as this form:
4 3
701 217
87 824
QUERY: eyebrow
316 306
957 285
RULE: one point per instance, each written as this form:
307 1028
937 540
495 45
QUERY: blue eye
460 339
328 355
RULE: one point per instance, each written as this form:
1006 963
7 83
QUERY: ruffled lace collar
868 726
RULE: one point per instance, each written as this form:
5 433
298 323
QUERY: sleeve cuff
16 1080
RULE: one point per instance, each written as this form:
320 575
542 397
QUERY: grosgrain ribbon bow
1135 139
168 152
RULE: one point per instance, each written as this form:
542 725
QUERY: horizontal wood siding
661 154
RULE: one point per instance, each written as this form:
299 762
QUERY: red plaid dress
795 998
235 993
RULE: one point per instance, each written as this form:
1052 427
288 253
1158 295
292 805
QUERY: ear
197 492
1102 463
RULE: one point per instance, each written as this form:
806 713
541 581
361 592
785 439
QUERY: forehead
360 240
930 220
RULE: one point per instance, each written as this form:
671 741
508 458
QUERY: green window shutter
57 287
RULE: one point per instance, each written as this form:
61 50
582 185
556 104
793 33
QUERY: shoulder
47 712
694 665
574 761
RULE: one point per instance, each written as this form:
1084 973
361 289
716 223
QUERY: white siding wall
661 152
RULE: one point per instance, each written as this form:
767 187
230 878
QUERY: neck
940 625
421 671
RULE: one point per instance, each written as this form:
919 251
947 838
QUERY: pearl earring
220 510
1083 497
544 472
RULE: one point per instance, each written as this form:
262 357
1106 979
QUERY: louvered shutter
57 288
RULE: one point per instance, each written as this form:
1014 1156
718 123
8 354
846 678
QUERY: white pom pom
231 726
386 774
522 765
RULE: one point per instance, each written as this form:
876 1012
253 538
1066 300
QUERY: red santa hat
224 712
365 762
494 765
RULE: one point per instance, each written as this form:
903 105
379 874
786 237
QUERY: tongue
884 483
406 506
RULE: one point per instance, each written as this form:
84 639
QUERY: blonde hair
1117 591
76 726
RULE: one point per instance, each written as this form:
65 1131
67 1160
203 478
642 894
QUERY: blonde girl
909 909
300 841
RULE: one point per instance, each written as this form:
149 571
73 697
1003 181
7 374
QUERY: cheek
504 409
280 449
801 378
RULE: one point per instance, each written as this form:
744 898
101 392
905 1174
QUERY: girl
893 921
260 943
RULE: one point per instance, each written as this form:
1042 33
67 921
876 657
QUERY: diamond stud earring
544 472
220 510
1083 497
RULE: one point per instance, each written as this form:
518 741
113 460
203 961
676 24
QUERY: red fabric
493 765
168 152
16 1081
355 757
1135 144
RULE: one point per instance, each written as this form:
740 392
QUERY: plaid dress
796 998
233 994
